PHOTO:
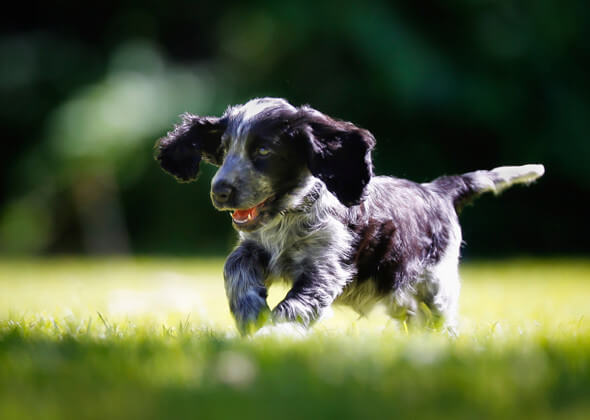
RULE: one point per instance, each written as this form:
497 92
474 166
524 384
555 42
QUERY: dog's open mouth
243 217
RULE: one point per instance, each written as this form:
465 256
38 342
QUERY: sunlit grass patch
148 338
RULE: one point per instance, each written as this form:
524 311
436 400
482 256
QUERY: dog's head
266 149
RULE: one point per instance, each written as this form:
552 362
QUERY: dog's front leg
244 274
311 294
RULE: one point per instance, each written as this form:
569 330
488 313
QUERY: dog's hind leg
438 295
432 300
440 286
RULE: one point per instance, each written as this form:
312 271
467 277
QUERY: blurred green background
445 86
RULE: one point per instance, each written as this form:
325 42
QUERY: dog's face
262 163
266 149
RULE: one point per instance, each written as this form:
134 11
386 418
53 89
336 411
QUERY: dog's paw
292 330
250 313
251 324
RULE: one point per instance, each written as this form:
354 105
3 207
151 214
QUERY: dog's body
309 211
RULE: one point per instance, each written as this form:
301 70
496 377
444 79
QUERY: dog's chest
293 245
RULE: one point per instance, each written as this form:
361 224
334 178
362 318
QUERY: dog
300 188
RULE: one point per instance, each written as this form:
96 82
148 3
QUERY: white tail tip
510 175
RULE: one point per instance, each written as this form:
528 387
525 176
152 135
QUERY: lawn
152 338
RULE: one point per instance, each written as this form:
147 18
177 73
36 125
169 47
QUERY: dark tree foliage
445 87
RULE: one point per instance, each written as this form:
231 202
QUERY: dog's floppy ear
337 152
195 138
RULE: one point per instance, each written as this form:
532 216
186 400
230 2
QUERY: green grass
149 338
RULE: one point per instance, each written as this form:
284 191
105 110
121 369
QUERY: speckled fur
334 232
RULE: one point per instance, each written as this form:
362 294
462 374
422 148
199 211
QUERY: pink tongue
247 214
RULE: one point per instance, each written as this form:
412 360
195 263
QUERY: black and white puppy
302 195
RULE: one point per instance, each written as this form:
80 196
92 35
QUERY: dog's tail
463 189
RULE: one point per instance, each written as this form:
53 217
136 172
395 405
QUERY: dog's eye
263 151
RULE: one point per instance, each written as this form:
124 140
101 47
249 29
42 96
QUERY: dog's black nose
221 192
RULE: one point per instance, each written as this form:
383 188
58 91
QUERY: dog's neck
307 201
